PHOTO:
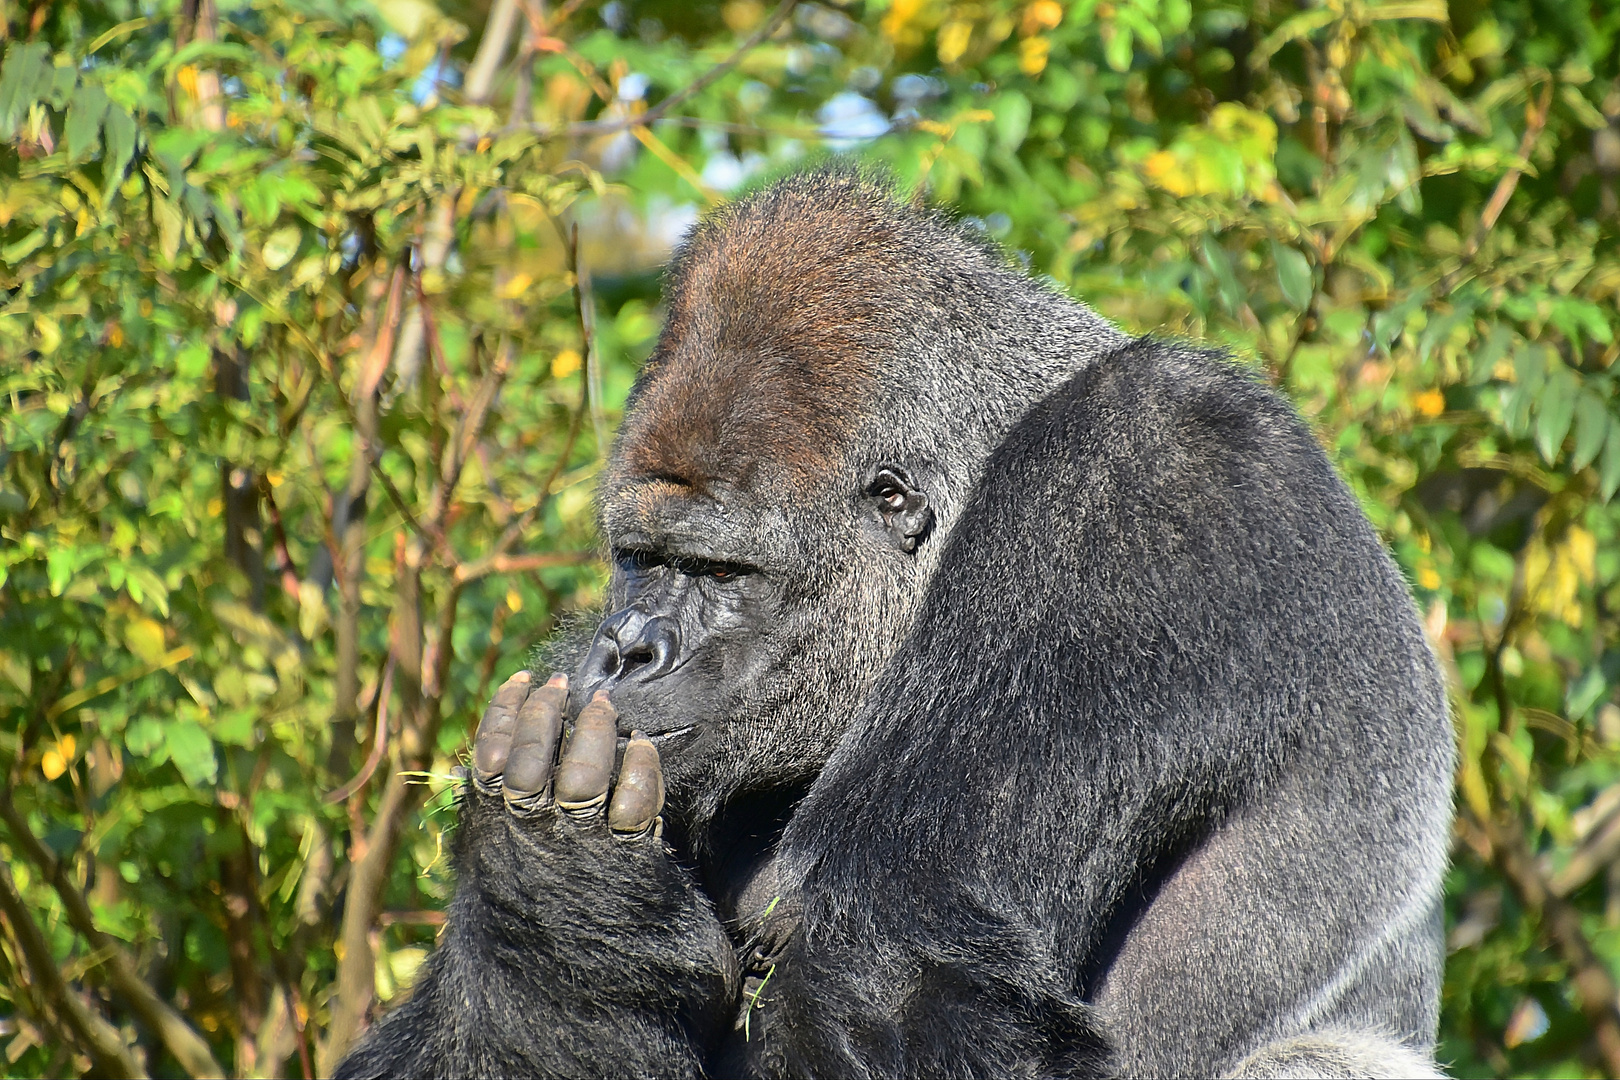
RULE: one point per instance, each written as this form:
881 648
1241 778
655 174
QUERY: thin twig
382 346
467 435
398 500
411 918
1535 122
289 572
585 309
379 741
510 564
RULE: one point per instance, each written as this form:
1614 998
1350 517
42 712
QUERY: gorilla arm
575 946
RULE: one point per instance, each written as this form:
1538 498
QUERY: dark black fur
1034 701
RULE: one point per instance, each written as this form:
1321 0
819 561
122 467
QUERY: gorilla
1029 699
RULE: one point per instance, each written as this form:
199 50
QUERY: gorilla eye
722 573
638 559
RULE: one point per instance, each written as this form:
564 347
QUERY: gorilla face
737 640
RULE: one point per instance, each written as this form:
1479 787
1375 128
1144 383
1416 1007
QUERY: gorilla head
831 376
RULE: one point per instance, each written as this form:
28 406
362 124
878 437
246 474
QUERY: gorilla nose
631 644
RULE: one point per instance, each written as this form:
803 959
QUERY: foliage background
316 315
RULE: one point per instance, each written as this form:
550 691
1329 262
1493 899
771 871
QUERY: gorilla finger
493 744
587 763
638 797
534 747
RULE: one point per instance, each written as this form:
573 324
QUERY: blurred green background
316 317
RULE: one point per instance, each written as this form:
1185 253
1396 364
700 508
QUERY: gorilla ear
901 506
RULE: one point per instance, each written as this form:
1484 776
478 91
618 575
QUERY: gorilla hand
515 756
568 907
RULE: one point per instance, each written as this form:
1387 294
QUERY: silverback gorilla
1031 700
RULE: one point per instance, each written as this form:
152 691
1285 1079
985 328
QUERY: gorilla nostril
638 654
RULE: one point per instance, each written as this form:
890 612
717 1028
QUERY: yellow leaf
1428 578
1430 403
900 13
115 335
742 15
1582 548
1032 55
1041 15
514 600
953 40
516 287
52 764
69 747
187 78
144 638
1164 169
565 364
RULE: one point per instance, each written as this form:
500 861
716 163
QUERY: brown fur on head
780 319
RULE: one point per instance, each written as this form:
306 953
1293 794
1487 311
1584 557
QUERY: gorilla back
1030 700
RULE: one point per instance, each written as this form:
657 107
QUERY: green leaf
1012 120
85 110
25 75
1233 295
1483 365
192 361
1609 474
1118 50
280 246
1591 425
170 227
1585 694
1557 408
1293 276
143 736
59 566
192 752
1583 110
118 129
1530 367
14 254
64 77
